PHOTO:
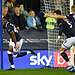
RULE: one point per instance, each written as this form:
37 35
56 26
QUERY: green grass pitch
51 71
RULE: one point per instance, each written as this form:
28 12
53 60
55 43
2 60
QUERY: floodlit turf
59 71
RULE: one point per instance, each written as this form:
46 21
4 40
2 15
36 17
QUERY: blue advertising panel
43 59
30 61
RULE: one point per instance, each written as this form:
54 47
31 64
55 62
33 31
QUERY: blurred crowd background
28 17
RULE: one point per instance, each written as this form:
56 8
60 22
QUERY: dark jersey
67 27
71 18
11 28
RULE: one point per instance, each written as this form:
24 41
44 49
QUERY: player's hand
17 28
58 39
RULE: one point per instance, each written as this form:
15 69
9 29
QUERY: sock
72 55
64 55
21 54
10 57
72 58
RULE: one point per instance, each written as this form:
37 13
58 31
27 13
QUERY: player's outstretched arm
55 16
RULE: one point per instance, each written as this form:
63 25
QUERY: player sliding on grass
68 28
15 43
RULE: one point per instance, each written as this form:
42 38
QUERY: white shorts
68 42
13 45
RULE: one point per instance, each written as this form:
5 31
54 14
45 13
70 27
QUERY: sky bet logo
54 59
40 60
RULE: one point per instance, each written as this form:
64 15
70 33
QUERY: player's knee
10 49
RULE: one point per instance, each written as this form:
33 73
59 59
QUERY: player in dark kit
68 28
15 43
